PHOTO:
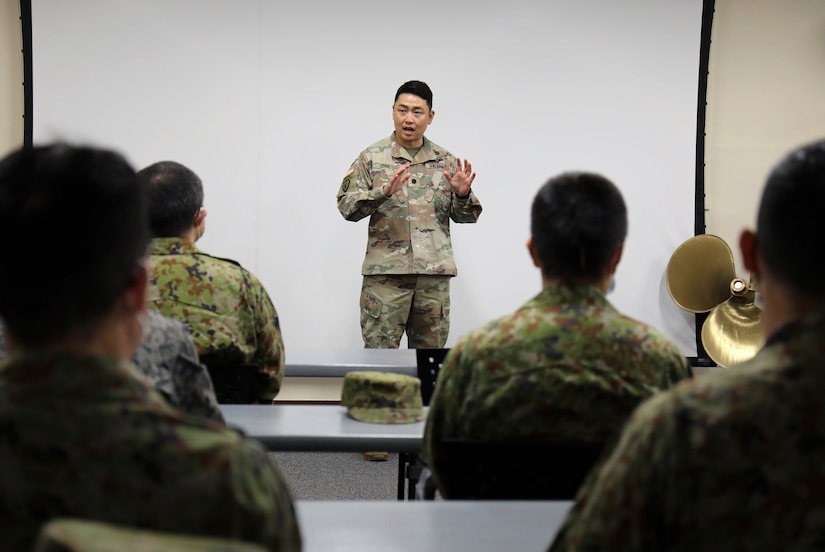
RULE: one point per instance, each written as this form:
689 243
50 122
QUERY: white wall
271 101
766 96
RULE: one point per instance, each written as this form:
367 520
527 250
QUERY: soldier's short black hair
175 196
789 231
578 220
73 233
417 88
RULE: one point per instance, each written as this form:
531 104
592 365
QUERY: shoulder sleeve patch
347 178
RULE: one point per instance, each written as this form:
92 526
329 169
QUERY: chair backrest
428 362
515 470
234 383
76 535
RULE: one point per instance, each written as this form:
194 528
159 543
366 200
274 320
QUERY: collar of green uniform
573 294
171 246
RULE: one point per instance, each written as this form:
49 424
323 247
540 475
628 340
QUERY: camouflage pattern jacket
734 460
91 438
565 366
409 233
225 307
167 357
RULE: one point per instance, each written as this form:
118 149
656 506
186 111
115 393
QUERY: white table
477 526
326 428
338 362
296 427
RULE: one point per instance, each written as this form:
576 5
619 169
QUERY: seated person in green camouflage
734 460
566 365
83 434
167 357
225 307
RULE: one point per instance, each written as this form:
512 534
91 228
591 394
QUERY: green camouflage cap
383 397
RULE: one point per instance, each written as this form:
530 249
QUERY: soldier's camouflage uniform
89 437
734 460
226 308
409 237
167 357
565 366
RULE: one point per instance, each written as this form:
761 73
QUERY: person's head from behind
412 113
578 227
785 253
74 236
175 195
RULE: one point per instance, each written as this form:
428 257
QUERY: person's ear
135 295
200 216
614 259
750 252
532 249
432 115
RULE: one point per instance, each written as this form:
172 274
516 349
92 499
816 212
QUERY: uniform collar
428 152
171 246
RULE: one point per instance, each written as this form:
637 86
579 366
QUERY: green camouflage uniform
409 235
167 357
89 437
225 307
565 366
732 461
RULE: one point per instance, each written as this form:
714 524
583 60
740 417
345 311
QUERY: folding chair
234 383
515 470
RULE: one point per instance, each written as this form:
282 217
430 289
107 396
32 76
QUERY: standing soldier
410 188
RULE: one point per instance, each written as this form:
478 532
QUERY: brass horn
701 277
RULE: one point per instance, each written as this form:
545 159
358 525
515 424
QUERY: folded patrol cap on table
382 397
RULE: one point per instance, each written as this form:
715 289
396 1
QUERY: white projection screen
270 101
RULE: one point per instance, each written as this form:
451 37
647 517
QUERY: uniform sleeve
357 198
444 411
269 351
265 511
623 506
465 210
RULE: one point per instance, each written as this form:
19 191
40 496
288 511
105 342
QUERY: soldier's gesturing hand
397 181
463 178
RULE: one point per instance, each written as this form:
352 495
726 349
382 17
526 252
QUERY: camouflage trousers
392 304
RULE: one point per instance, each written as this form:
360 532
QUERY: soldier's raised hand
463 178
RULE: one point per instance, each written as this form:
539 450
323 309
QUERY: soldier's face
411 116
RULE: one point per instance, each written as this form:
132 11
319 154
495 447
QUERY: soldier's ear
614 259
750 252
532 249
134 296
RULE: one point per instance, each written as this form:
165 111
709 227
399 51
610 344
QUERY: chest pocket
437 191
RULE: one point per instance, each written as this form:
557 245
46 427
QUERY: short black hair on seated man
73 234
417 88
789 231
175 196
578 220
